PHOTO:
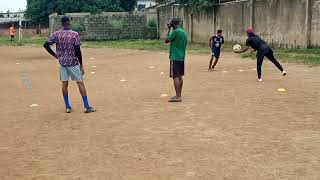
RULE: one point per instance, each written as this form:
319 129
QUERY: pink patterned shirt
66 40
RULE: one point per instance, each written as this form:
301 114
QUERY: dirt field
229 127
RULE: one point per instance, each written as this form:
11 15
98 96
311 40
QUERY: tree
128 5
195 3
39 10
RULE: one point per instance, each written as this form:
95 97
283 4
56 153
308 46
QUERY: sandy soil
229 126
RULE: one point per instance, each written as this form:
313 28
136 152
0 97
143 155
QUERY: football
237 47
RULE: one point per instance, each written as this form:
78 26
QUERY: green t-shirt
178 44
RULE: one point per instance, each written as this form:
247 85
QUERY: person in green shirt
178 40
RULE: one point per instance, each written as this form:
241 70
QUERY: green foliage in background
39 10
78 25
152 23
115 23
195 3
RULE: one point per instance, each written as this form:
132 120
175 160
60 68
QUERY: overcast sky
12 5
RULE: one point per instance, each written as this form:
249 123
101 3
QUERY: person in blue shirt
216 42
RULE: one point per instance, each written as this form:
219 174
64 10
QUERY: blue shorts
216 52
73 72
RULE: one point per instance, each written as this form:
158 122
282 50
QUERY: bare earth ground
229 126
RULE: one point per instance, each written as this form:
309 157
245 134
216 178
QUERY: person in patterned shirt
69 55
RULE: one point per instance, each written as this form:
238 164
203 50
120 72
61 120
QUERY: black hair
219 31
175 21
64 19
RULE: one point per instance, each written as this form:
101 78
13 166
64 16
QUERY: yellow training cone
164 95
34 105
281 89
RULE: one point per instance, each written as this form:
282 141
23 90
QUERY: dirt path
229 126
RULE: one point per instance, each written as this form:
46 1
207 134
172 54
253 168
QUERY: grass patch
127 44
305 56
36 41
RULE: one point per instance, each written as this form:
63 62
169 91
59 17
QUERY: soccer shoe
284 73
89 110
260 80
175 99
68 110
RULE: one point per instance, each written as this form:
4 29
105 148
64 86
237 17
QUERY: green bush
79 26
152 23
117 24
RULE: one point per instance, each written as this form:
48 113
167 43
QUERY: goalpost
20 30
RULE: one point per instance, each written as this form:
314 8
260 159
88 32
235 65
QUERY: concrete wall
165 15
109 26
151 14
201 25
315 23
282 23
233 19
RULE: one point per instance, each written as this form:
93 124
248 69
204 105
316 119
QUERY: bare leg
215 63
210 63
82 89
177 86
181 85
65 88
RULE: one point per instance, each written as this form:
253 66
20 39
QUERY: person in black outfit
264 50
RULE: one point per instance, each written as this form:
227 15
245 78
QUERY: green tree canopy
196 3
39 10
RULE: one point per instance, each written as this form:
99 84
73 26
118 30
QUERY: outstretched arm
243 50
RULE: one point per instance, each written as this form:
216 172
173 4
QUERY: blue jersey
217 42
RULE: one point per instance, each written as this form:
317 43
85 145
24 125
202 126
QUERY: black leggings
266 52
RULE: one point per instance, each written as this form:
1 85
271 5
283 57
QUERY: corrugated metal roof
9 20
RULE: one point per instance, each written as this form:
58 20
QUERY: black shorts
176 68
216 52
12 36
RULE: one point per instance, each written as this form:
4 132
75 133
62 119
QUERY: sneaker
89 110
175 99
260 80
284 73
68 110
